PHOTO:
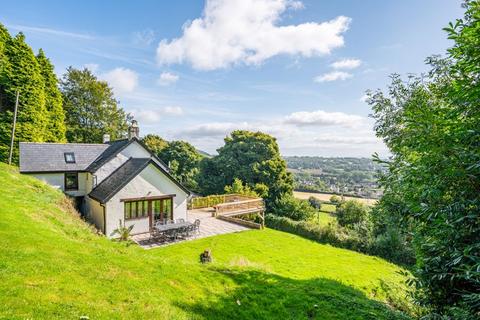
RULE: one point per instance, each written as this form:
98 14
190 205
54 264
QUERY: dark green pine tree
5 127
25 76
55 130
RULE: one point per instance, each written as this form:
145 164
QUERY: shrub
335 199
293 208
315 203
352 212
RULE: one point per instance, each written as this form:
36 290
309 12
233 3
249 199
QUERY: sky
196 70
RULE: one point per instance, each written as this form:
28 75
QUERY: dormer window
69 157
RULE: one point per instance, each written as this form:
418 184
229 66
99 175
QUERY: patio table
172 226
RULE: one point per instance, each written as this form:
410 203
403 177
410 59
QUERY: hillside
52 266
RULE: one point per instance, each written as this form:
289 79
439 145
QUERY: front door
160 210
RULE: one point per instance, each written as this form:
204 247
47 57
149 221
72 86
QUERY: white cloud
363 98
93 67
323 118
329 138
333 76
121 79
144 38
167 78
346 64
173 110
53 32
153 116
215 129
231 32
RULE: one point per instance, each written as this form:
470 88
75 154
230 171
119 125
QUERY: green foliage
122 231
55 130
53 266
238 187
155 143
22 72
351 212
430 125
91 109
315 203
205 202
336 200
254 158
183 160
293 208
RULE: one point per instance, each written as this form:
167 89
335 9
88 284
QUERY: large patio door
162 210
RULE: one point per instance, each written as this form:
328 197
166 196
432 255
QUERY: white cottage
111 182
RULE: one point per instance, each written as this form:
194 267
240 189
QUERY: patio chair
196 225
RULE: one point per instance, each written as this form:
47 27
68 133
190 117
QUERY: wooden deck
234 206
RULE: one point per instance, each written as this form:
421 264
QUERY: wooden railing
250 205
213 200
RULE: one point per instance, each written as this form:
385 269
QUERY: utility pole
13 129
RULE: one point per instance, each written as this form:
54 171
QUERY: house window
136 209
94 181
69 157
71 181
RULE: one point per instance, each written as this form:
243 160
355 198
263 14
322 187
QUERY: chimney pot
134 130
106 138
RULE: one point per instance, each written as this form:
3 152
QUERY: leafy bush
315 203
335 199
352 212
237 187
293 208
331 234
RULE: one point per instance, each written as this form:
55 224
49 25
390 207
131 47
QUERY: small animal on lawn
206 256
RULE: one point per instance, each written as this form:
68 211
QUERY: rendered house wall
150 182
57 180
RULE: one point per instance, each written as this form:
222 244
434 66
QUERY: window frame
134 210
69 154
75 186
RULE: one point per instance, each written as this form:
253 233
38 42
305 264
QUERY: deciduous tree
91 109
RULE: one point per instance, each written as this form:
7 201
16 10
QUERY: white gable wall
150 182
133 150
57 180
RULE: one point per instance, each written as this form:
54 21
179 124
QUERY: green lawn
326 207
323 218
52 266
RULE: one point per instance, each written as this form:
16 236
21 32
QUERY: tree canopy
155 143
431 126
183 160
40 116
252 157
91 108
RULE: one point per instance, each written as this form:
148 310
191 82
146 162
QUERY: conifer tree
55 129
23 74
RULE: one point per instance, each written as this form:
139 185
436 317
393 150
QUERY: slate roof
113 149
49 157
118 179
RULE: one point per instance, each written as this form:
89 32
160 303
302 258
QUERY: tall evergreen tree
22 74
91 109
55 130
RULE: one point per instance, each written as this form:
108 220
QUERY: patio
209 226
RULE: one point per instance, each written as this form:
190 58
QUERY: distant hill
54 266
204 153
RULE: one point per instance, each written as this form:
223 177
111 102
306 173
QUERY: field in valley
327 196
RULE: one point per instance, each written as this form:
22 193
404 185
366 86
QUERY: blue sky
196 70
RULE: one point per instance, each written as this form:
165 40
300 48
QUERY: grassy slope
53 266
